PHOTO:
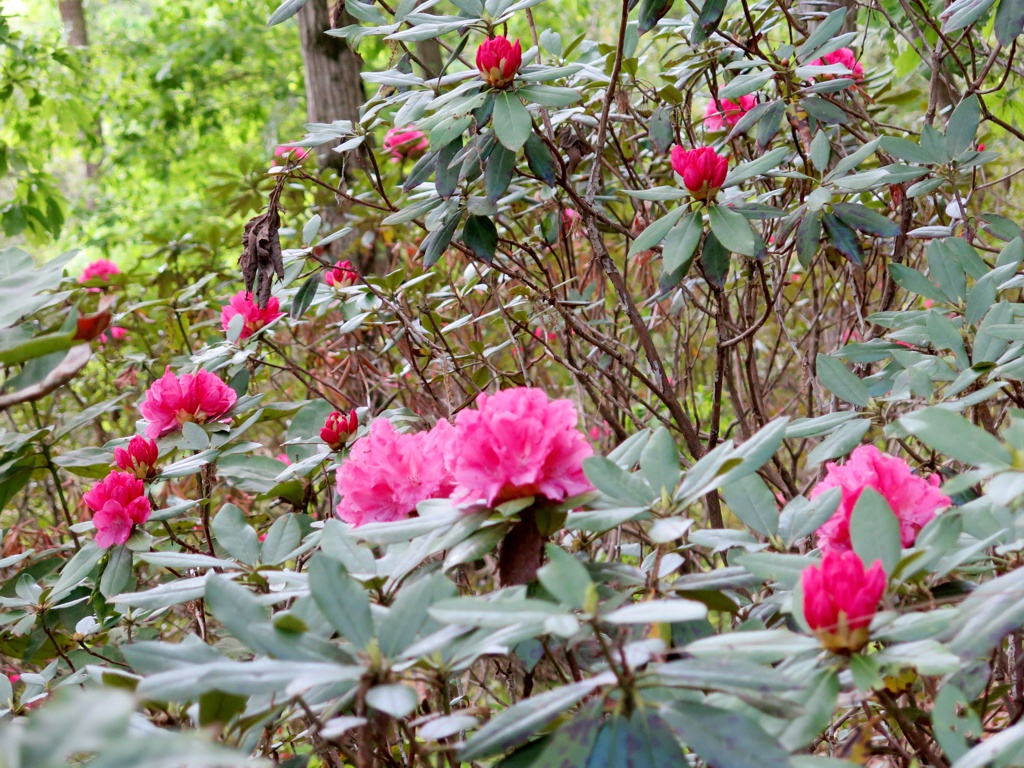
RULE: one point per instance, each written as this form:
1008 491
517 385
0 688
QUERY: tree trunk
72 15
334 90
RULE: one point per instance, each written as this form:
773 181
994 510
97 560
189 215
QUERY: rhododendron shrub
661 404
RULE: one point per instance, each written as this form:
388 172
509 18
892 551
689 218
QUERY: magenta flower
343 275
716 119
403 143
840 599
139 459
170 402
102 269
913 499
703 170
338 428
244 304
498 61
114 333
845 57
518 443
388 473
118 503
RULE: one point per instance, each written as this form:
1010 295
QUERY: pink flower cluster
244 304
514 444
717 118
843 56
101 269
913 499
840 599
297 154
498 61
118 503
198 397
406 142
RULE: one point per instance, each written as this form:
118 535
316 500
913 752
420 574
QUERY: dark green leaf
841 383
1009 21
875 530
540 160
341 599
707 22
660 129
824 111
652 11
481 236
446 178
724 739
842 238
808 237
714 258
863 219
304 296
436 243
963 125
511 123
498 175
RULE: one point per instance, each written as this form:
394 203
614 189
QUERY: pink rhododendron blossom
296 153
283 458
405 142
244 304
703 170
518 443
498 61
840 599
118 502
139 458
913 499
843 56
716 119
102 269
198 397
343 274
388 473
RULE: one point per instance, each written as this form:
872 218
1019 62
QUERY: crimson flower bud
498 61
343 274
338 428
703 170
840 599
139 459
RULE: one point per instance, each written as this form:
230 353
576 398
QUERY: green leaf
722 738
511 121
821 36
395 700
481 236
824 111
808 237
911 280
651 11
714 257
667 611
446 177
863 219
681 243
758 167
285 11
1009 22
840 382
76 570
659 463
875 530
498 171
118 571
741 85
342 600
540 160
660 129
707 22
753 503
840 442
304 296
436 243
732 230
951 434
656 231
843 238
565 577
235 536
516 724
219 707
963 126
282 539
617 484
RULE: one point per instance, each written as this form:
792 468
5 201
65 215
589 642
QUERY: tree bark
334 90
72 15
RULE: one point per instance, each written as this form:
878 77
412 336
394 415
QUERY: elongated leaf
841 383
511 121
498 171
875 530
540 160
651 11
863 219
953 435
843 238
341 599
732 230
481 236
